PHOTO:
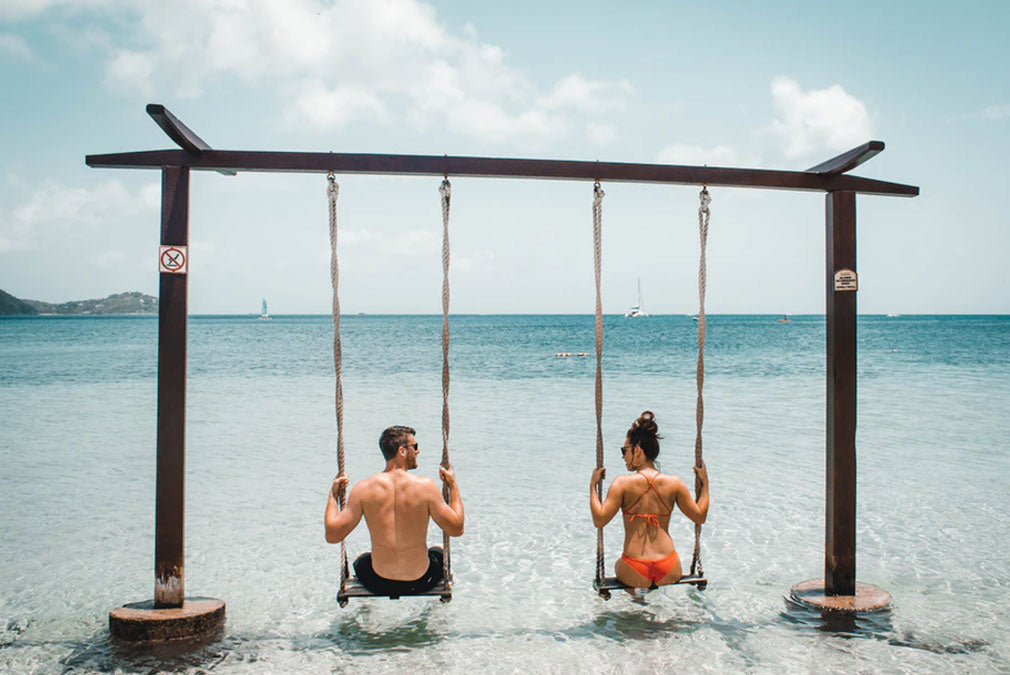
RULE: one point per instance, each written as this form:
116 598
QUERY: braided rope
597 248
703 218
446 191
332 190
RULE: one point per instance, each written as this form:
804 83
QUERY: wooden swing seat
614 584
354 589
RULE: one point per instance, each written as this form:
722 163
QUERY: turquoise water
77 424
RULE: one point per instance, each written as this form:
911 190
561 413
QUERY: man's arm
339 522
696 511
449 516
603 512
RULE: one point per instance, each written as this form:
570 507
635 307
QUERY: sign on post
846 280
173 259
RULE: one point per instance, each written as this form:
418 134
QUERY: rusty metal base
868 598
141 622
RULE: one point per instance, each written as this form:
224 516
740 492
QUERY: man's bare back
396 507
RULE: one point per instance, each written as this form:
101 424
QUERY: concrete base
867 598
141 622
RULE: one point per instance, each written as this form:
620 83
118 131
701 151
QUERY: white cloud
696 155
481 261
593 98
601 134
107 259
819 121
408 243
14 46
55 204
996 112
130 71
326 107
26 9
333 62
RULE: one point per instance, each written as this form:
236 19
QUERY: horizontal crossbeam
494 167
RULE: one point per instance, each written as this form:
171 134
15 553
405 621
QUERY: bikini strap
662 501
635 503
652 487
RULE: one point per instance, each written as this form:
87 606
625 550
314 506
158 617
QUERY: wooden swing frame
829 177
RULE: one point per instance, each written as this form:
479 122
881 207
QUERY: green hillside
120 303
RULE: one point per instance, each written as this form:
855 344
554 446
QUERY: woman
646 499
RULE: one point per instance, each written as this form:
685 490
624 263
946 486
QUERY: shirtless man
396 507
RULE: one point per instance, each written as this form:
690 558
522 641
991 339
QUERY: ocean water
77 449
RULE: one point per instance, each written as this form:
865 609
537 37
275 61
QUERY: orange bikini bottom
653 570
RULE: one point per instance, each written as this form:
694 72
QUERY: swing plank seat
614 584
354 589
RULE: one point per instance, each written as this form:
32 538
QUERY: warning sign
173 259
846 280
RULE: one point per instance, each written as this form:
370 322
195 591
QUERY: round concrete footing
868 598
141 622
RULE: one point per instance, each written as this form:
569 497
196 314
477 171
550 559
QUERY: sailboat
264 316
636 309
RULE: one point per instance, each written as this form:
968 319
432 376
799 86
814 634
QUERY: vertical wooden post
169 586
840 529
170 615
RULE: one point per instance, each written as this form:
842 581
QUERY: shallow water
77 399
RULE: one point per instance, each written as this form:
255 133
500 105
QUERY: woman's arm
696 511
602 513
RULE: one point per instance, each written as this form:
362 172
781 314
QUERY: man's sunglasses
413 446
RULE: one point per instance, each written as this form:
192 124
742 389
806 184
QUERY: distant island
119 303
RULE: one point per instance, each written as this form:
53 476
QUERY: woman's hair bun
646 423
644 432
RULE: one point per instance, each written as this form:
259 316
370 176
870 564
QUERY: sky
780 85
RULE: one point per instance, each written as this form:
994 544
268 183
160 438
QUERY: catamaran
264 316
636 309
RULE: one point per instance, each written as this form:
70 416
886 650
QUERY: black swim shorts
381 586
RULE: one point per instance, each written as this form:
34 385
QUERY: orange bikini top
652 518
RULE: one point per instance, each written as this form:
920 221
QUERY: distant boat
636 309
264 316
784 319
891 316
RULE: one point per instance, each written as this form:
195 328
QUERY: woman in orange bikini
646 499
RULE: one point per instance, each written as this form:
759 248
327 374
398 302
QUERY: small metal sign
173 259
846 280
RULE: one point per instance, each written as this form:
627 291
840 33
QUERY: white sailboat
636 309
264 316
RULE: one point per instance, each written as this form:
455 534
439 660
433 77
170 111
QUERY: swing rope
597 247
703 218
605 585
332 190
445 190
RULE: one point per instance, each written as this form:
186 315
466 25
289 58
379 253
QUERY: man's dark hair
392 438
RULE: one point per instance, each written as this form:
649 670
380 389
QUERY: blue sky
777 84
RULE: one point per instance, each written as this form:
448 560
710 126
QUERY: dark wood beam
436 165
170 503
848 160
840 455
183 136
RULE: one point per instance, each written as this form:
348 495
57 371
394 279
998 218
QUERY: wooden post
169 586
840 529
